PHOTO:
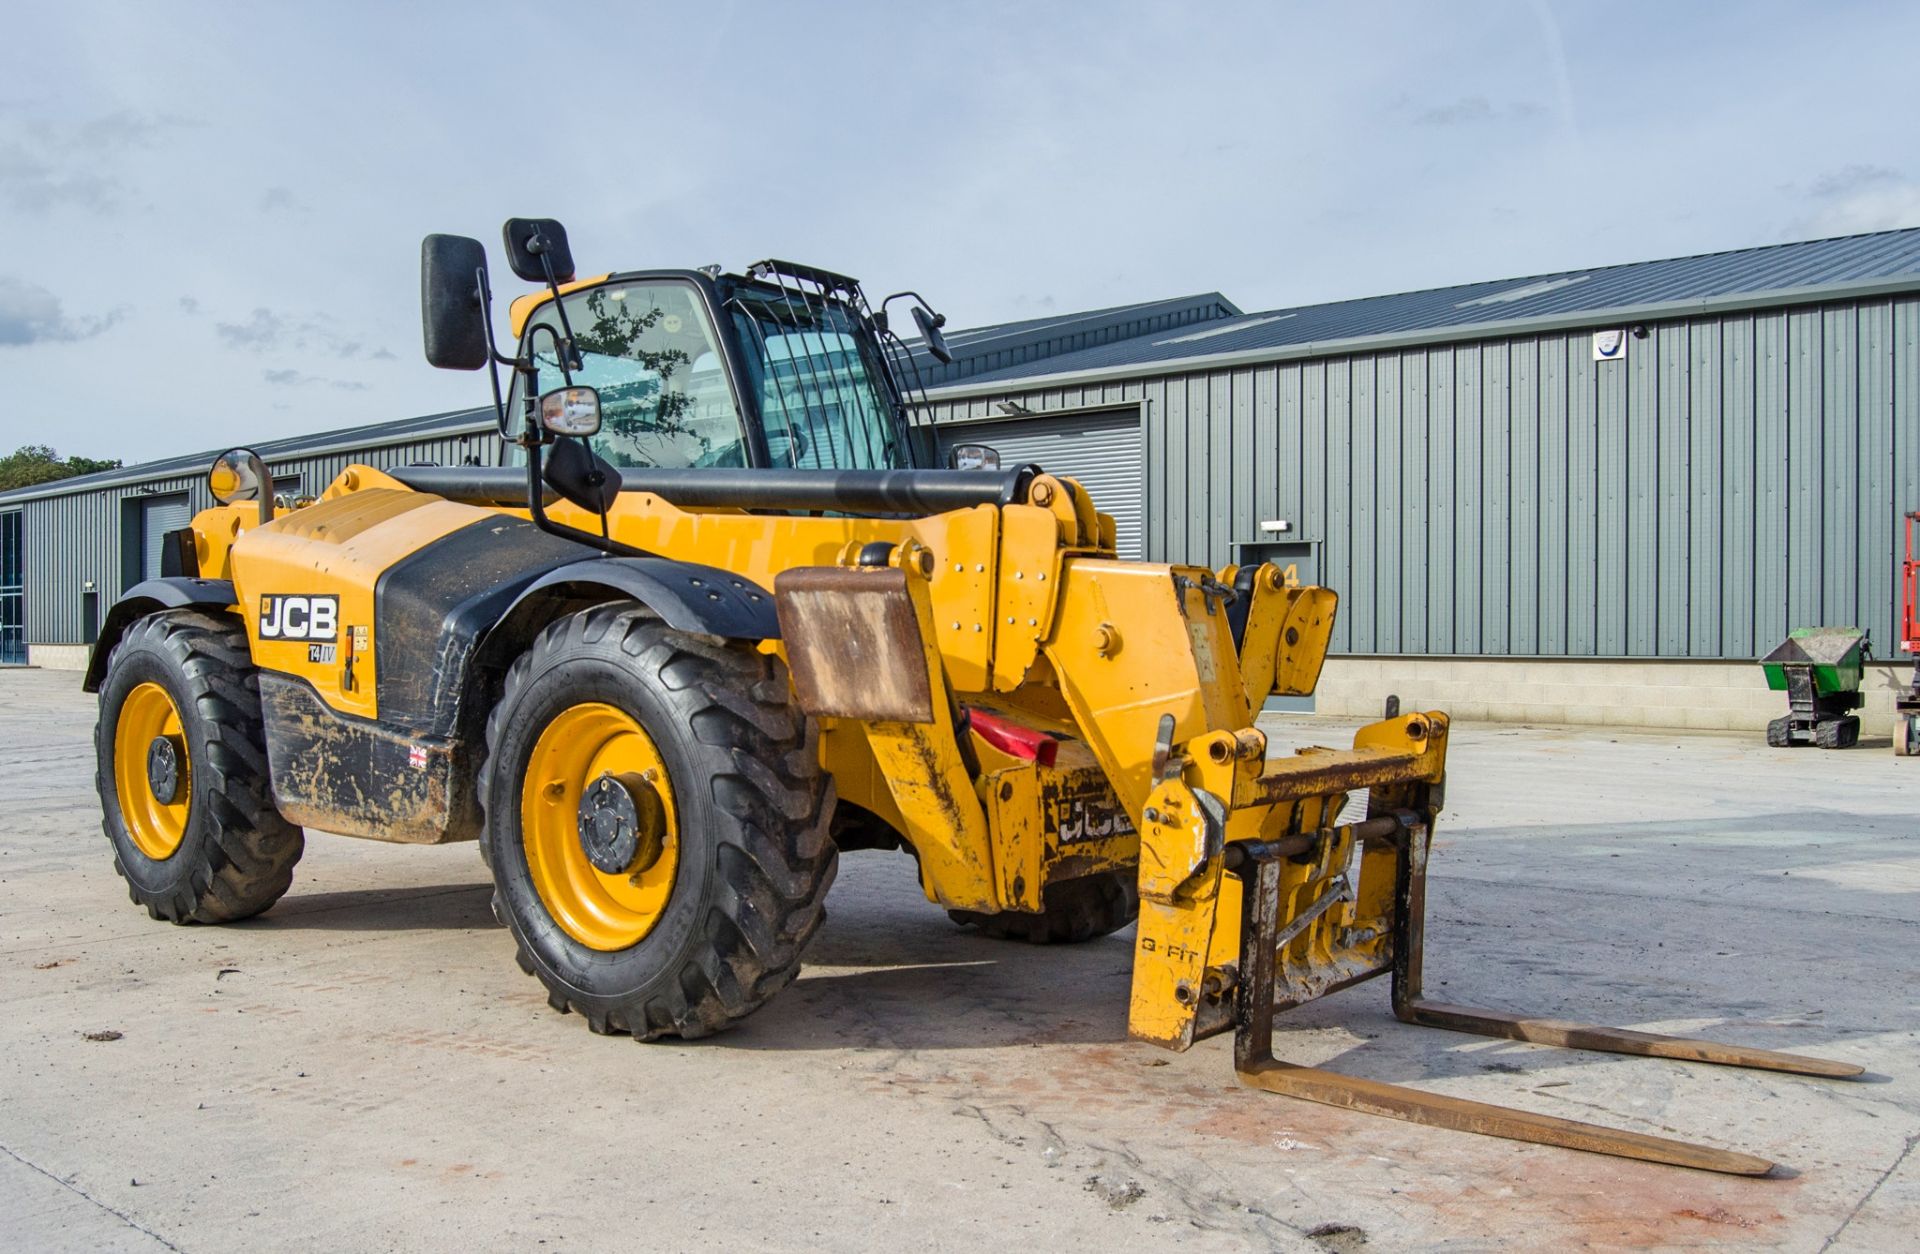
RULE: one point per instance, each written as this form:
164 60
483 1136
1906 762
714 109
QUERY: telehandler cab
717 626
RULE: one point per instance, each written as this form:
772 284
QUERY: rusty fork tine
1258 866
1411 1007
1435 1110
1569 1035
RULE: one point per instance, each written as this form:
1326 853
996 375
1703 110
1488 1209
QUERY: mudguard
478 596
170 592
689 596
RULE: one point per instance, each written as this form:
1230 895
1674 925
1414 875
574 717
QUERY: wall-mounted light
1276 526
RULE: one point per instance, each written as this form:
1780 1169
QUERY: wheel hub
163 768
152 772
621 824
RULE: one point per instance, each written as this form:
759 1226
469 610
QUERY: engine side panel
355 777
305 585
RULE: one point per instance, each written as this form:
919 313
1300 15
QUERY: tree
32 464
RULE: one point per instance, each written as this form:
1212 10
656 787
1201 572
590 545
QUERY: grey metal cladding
1736 475
79 536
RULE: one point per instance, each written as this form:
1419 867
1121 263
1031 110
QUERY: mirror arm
494 358
570 355
534 434
537 509
939 319
259 467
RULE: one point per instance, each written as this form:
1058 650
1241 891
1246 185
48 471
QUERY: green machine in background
1819 668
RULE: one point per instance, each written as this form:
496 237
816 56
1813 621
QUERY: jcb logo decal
284 617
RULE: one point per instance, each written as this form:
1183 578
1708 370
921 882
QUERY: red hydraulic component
1906 705
1910 593
1012 739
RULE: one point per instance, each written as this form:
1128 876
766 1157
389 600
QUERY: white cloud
48 164
30 314
1875 209
266 331
1855 199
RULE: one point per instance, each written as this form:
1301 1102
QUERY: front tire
701 922
182 772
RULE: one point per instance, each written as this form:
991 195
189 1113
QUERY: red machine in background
1906 706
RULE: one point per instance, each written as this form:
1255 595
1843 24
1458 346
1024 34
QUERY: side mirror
571 411
236 475
973 456
530 239
930 324
239 475
453 318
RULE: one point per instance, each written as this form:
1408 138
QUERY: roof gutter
485 421
1657 311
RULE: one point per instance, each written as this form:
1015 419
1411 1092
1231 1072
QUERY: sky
211 213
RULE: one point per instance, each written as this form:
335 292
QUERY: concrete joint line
122 1216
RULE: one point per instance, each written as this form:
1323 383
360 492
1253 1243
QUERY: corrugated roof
1004 345
453 422
1777 269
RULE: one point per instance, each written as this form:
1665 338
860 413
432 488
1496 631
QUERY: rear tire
1906 736
1074 910
750 804
231 855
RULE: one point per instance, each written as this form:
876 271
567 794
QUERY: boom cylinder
714 487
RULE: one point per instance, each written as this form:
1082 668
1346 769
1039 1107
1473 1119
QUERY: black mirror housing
530 239
930 324
453 319
582 476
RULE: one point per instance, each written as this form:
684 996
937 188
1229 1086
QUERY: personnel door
1300 560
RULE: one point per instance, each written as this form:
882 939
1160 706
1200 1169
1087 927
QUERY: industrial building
1593 496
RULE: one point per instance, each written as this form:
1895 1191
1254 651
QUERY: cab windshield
650 350
823 397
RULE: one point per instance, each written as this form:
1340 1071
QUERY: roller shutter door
158 516
1101 450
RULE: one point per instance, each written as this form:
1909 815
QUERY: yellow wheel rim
156 827
601 910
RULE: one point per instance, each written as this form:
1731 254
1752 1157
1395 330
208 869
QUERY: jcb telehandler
714 627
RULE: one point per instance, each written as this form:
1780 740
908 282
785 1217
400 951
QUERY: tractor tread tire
1075 910
1780 733
239 852
1837 733
773 860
